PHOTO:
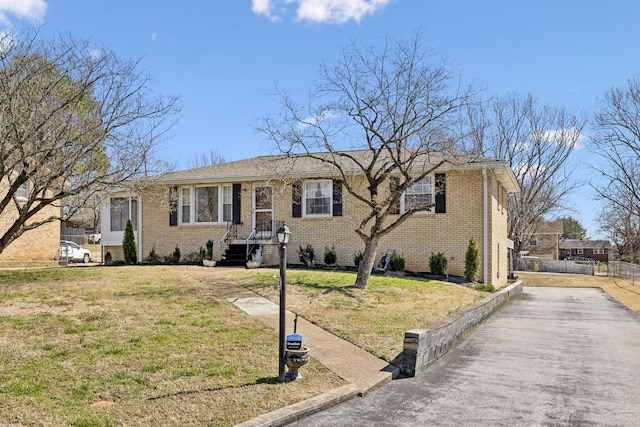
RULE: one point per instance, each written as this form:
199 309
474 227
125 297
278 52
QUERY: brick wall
40 246
416 239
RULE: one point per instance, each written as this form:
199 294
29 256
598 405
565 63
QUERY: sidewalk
362 370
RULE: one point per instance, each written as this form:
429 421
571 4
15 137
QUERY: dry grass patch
619 289
152 339
374 319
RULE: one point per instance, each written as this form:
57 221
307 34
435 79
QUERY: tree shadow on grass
267 380
328 289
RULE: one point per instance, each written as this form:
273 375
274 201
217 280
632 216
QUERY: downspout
485 242
139 229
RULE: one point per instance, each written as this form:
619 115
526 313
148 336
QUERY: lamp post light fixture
283 235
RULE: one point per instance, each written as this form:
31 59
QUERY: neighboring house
597 250
37 247
239 205
544 244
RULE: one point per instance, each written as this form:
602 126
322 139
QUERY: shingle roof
551 227
273 167
585 244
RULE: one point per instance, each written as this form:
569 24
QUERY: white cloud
32 10
321 11
154 37
564 136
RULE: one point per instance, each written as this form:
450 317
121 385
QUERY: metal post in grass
283 234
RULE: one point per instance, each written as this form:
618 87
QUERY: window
185 203
209 204
533 241
598 251
317 198
579 251
419 195
227 200
23 191
121 210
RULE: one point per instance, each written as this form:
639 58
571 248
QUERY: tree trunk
367 264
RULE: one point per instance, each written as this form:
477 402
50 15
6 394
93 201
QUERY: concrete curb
294 412
422 346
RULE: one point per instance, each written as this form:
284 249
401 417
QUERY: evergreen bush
129 244
330 255
438 263
471 261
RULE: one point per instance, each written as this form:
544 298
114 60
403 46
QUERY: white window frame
327 182
413 187
533 241
598 251
132 214
22 193
579 251
188 197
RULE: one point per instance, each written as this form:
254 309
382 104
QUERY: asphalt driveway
555 356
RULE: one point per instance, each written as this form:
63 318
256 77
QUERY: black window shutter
296 199
237 197
173 206
337 197
394 182
441 193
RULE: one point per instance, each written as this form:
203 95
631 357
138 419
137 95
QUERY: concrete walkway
363 371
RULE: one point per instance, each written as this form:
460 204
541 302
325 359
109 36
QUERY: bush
330 256
153 257
108 258
175 256
129 244
357 258
193 258
306 255
485 287
438 263
471 261
209 249
397 263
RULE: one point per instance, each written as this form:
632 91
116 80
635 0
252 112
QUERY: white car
73 252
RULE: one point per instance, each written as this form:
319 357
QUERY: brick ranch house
597 250
240 204
37 247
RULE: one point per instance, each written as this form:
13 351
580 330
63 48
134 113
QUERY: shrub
357 258
108 258
396 263
175 256
153 257
129 244
330 256
306 255
471 261
438 263
209 249
485 287
193 258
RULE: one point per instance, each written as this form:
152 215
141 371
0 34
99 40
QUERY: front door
263 212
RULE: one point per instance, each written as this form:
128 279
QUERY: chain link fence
626 271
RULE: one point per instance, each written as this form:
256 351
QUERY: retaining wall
423 346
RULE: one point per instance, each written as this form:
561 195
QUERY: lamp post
283 234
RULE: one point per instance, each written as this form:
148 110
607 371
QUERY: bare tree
394 103
622 227
536 141
617 140
76 120
202 159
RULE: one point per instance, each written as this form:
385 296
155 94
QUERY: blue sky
223 58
